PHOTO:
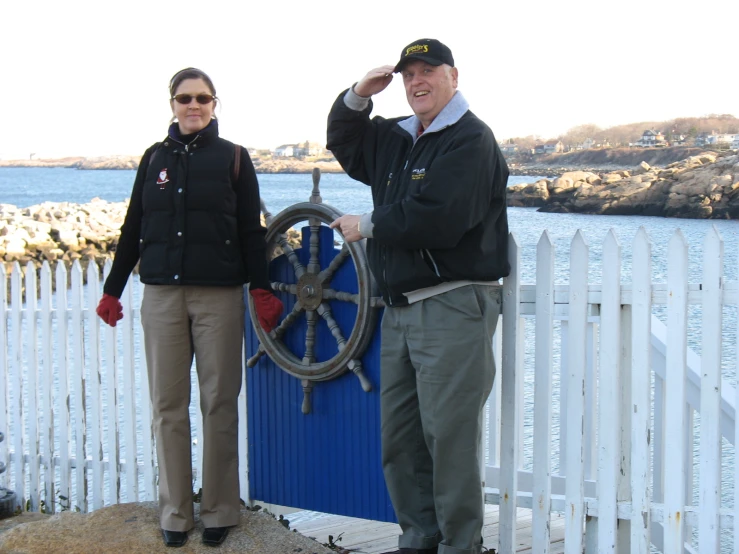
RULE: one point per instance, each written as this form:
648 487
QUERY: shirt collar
449 115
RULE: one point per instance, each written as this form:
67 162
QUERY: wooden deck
362 536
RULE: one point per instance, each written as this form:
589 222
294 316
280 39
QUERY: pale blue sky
90 77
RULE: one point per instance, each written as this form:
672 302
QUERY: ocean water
26 187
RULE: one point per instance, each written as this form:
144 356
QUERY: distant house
720 139
285 150
509 148
650 139
539 149
735 143
587 144
308 148
553 146
678 140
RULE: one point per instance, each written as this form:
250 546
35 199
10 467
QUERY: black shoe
174 539
213 536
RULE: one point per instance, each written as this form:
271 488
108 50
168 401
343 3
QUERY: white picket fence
629 389
88 398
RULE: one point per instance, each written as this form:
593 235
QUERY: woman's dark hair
189 73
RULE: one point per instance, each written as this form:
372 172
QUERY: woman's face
193 116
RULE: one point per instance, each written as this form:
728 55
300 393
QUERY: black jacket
188 222
439 205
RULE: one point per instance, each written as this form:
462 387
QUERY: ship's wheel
313 299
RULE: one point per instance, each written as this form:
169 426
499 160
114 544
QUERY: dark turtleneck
174 132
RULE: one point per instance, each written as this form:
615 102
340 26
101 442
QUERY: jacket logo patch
417 174
163 178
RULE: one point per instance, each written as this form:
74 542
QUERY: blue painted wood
328 460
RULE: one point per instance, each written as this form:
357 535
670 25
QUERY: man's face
428 88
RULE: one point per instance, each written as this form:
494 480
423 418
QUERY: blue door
328 459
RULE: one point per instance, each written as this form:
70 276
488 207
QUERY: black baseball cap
427 49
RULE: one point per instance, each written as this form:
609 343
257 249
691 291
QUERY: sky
89 78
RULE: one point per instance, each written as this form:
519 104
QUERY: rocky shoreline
66 232
261 165
699 187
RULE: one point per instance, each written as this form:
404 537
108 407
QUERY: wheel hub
310 291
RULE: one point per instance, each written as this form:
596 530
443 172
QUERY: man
437 245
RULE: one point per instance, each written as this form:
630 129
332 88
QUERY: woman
193 223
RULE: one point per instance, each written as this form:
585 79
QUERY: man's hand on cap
375 81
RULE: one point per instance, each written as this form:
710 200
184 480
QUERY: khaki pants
437 371
180 321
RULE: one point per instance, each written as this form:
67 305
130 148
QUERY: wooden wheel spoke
331 294
314 266
290 288
310 337
324 310
328 273
291 256
287 322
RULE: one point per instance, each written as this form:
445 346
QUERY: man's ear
455 77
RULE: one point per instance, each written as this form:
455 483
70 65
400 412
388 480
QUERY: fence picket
129 394
675 400
94 382
542 450
16 400
564 363
590 443
62 402
111 398
511 388
609 406
493 410
736 442
31 332
147 424
578 321
710 430
640 391
80 397
198 424
47 380
4 376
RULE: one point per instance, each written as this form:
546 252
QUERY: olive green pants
207 322
437 371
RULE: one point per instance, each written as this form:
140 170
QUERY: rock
643 168
134 529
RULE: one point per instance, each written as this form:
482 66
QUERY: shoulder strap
237 162
151 158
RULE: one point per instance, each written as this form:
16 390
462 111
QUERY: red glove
268 307
110 310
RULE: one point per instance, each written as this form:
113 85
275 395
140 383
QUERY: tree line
623 135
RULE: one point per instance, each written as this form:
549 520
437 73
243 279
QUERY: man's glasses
187 98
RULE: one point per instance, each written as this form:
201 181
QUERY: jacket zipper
384 248
431 258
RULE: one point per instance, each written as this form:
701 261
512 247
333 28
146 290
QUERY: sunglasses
187 98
